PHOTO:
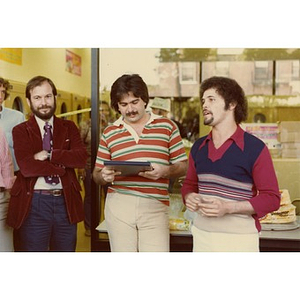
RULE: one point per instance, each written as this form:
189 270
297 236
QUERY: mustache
45 106
206 111
131 113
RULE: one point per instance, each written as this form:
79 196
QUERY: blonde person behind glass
6 181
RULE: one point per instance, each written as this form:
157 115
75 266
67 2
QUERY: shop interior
269 77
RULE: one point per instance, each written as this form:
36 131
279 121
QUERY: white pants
6 232
205 241
136 224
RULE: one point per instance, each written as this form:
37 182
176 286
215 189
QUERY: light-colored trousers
205 241
6 232
136 224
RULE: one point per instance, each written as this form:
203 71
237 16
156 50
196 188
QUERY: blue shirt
9 118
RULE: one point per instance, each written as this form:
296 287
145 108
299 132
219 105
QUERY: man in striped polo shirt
136 208
231 181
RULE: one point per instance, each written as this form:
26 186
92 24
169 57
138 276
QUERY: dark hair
230 90
125 84
6 85
37 81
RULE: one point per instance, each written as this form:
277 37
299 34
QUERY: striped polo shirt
160 143
240 170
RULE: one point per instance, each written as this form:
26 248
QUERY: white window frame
191 67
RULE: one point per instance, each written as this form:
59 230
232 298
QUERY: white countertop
293 234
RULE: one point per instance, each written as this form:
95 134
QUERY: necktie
47 145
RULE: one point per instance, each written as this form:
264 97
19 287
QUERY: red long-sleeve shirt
241 169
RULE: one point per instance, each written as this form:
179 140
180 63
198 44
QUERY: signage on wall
73 63
11 55
267 132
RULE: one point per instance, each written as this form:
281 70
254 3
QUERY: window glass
287 77
254 77
188 72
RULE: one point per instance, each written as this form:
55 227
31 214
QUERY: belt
55 193
2 189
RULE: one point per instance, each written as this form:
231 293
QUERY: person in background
46 203
7 179
85 174
259 118
231 181
9 118
193 134
136 208
162 107
106 117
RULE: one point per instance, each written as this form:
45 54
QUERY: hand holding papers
128 168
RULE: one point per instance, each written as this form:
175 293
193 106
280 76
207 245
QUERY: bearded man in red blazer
45 215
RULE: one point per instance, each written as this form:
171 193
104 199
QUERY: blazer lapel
34 132
59 132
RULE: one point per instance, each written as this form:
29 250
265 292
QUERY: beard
208 121
43 116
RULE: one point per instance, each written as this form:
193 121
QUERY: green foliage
270 54
169 54
186 54
211 54
198 54
105 95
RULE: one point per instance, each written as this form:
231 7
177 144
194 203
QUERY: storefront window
296 69
188 72
254 77
287 77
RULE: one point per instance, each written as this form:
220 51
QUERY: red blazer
68 153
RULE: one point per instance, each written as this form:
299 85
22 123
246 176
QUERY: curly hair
231 91
125 84
5 83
